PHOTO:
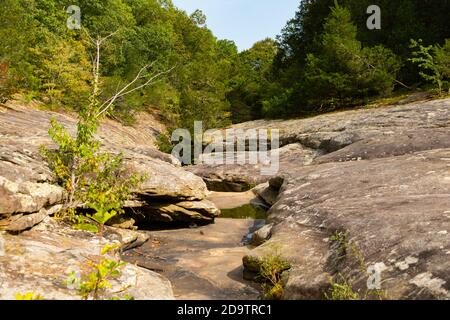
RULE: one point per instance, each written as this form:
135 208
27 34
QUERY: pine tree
340 71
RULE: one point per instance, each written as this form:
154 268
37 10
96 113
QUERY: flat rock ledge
39 261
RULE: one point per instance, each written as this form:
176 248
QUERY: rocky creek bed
205 262
376 181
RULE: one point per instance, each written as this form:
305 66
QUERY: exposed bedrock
40 260
376 196
27 186
37 252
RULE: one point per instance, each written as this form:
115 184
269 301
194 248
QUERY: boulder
21 222
334 131
201 212
262 235
268 191
243 177
361 134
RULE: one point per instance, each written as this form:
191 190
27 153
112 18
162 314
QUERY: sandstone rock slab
39 261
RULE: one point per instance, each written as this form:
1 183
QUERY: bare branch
89 36
111 100
109 36
149 81
124 91
127 89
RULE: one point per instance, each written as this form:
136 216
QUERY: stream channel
205 262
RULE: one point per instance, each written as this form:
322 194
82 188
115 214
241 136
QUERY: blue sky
243 21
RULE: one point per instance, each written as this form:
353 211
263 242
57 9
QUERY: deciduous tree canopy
325 57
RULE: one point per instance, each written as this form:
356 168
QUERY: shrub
340 72
164 143
94 284
93 179
341 286
271 268
341 290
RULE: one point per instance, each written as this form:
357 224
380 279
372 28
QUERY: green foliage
83 223
341 286
309 42
29 296
63 71
341 290
271 267
41 55
164 143
279 105
325 58
299 37
97 281
45 57
342 72
252 81
94 179
434 63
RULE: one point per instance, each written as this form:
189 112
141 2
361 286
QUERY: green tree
63 72
92 178
401 21
434 63
252 82
45 58
341 72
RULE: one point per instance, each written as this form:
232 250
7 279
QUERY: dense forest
325 58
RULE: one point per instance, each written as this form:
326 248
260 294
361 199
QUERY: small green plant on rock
164 143
341 287
271 268
341 290
95 284
93 179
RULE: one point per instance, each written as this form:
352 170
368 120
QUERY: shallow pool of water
248 211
